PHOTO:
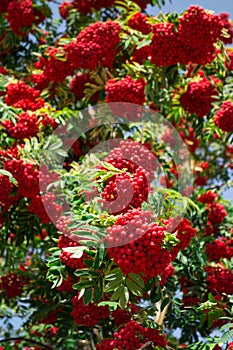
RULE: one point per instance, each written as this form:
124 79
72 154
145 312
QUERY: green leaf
111 304
77 252
118 293
124 298
87 296
165 302
83 272
133 287
137 279
99 256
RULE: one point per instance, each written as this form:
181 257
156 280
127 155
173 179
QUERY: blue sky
181 5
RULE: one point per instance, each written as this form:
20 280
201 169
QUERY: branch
148 346
26 339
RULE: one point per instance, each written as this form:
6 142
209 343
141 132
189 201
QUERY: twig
148 346
26 339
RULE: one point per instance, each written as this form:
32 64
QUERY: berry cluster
125 90
229 63
56 66
169 271
20 15
208 197
139 55
220 280
67 285
198 97
139 22
123 192
52 212
165 47
217 213
133 336
20 95
95 45
145 247
193 41
6 187
227 26
26 126
224 117
220 248
184 232
198 32
65 8
12 284
26 175
89 315
131 187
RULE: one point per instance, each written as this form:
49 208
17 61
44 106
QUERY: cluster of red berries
220 248
6 187
165 47
125 90
12 284
227 26
229 63
26 126
217 213
123 192
20 15
169 271
26 175
193 41
198 32
139 22
45 207
78 86
88 315
67 285
65 257
207 197
139 55
184 232
95 45
224 117
133 336
145 247
20 95
131 187
198 97
220 280
56 66
65 8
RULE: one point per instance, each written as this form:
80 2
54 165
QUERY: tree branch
26 339
148 346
